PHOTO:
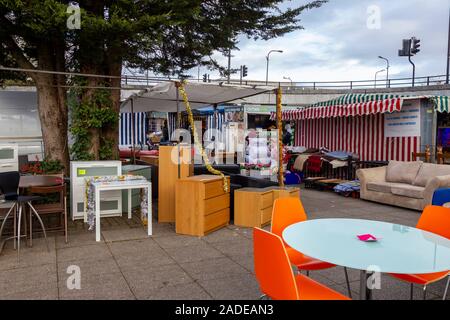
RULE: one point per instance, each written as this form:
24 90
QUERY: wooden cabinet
253 207
151 160
287 192
174 163
202 205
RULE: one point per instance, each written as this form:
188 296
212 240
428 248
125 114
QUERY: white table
122 185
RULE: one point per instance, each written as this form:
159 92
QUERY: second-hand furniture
441 198
105 187
275 276
174 164
404 184
9 158
135 170
110 202
335 241
202 205
289 211
58 207
436 220
253 207
9 185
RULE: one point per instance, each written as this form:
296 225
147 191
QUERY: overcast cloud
338 45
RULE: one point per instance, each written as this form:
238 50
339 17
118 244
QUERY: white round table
401 249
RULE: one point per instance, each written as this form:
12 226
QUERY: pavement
129 265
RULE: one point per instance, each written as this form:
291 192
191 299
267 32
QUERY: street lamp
268 59
289 78
376 76
387 69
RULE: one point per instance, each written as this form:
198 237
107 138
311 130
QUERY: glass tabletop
401 249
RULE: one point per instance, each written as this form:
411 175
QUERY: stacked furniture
253 207
202 205
404 184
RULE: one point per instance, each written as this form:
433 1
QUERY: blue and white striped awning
126 129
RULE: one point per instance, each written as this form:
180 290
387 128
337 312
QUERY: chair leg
13 208
18 232
31 229
446 288
412 292
65 220
15 226
348 283
425 293
6 218
307 273
42 224
262 297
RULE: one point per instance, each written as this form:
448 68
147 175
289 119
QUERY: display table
130 183
202 205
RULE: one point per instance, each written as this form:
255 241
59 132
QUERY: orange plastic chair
435 220
289 211
275 276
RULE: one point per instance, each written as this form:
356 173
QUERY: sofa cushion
429 171
383 187
409 191
403 172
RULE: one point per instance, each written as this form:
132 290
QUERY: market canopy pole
280 136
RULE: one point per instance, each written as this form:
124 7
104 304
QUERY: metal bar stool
9 184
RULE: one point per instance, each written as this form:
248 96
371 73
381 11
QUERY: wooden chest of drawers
253 207
286 192
202 206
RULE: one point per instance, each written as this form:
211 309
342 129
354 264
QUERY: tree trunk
111 133
53 123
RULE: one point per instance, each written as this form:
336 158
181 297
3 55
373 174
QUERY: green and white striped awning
441 103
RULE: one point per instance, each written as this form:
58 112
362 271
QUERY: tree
167 37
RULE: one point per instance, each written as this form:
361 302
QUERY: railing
350 85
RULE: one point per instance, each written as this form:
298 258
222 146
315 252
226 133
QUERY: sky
343 39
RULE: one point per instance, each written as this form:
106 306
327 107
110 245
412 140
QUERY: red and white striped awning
347 110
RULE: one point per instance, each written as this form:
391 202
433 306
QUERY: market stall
375 127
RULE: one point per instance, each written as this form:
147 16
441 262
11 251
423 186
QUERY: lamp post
268 59
289 78
387 69
447 79
376 76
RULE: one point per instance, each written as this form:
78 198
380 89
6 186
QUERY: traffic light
205 77
244 71
415 46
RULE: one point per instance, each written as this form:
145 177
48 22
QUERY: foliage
47 166
166 37
86 116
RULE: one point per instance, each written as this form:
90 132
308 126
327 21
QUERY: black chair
9 185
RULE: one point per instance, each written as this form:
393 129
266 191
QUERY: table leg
97 215
149 211
130 212
365 292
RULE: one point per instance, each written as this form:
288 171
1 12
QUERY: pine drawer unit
286 192
202 205
253 207
111 201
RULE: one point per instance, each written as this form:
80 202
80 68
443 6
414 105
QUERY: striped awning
352 105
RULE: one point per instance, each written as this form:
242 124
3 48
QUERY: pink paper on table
368 238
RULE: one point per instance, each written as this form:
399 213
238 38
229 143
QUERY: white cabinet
9 157
111 201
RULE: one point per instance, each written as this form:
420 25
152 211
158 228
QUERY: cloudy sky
343 39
